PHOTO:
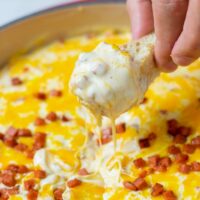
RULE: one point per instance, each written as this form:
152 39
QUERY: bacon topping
152 136
196 141
139 163
169 195
24 133
120 128
52 116
16 81
144 143
6 192
140 183
32 195
39 140
23 169
181 158
73 183
29 184
184 168
106 135
57 193
195 166
10 141
157 190
40 122
21 147
189 148
56 93
172 126
165 161
83 172
174 150
12 132
179 139
129 185
153 161
65 119
41 96
8 178
40 174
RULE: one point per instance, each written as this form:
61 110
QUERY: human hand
177 27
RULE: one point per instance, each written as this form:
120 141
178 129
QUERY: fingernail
183 60
169 67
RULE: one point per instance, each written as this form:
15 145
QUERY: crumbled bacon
120 128
179 139
140 183
165 161
152 136
129 185
8 178
41 96
195 166
65 119
24 133
29 184
83 172
39 174
1 136
160 168
39 140
52 116
73 183
172 126
6 192
21 147
169 195
144 143
196 141
12 132
57 193
139 163
189 148
13 168
181 158
143 174
144 100
23 169
174 150
32 194
186 131
40 121
56 93
106 135
157 190
10 141
30 153
153 161
16 81
184 168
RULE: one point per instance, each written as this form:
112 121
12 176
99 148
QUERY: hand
177 27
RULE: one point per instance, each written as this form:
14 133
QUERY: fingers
169 16
141 16
187 48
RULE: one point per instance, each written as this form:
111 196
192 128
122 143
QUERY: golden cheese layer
72 144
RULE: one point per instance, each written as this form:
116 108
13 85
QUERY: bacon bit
172 126
24 133
140 183
180 139
39 140
10 141
143 174
107 131
174 150
169 195
52 116
13 168
41 96
1 136
195 166
144 100
196 141
165 161
40 122
157 190
23 169
152 136
56 93
32 195
186 131
5 192
83 172
106 135
30 153
16 81
8 178
40 174
153 161
12 132
189 148
57 193
65 119
184 168
144 143
29 184
139 163
21 147
181 158
129 185
73 183
160 168
120 128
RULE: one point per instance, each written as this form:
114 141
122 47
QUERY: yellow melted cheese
50 68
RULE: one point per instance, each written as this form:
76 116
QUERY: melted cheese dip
72 144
